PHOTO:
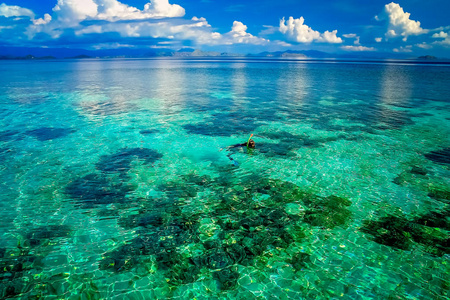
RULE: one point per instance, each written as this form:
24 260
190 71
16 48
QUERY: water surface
116 182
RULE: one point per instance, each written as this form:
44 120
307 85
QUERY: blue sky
411 27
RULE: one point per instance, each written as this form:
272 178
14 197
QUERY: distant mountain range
24 53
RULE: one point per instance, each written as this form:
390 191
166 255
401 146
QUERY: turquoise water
116 182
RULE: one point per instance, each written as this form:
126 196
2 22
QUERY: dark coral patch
401 233
436 219
300 261
94 189
327 212
121 161
390 231
227 278
49 133
440 194
14 273
39 235
440 156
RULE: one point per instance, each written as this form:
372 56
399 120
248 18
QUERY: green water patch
440 156
429 231
120 162
49 133
95 189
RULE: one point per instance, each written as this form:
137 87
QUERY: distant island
18 53
426 57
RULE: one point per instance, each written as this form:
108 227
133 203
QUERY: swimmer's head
251 144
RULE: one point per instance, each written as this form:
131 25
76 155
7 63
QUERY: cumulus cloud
42 21
71 11
357 48
239 35
15 11
296 30
159 19
378 39
440 35
399 22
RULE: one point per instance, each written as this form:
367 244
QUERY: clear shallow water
114 184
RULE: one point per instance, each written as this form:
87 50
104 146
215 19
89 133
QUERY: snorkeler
249 145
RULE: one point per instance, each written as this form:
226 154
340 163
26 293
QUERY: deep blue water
116 180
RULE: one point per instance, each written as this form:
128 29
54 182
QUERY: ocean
117 179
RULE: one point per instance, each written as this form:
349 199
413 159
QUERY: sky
411 27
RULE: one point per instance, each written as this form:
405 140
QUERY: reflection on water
118 182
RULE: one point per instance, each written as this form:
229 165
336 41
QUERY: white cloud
71 11
399 22
378 39
296 30
357 48
239 35
353 36
424 46
42 21
74 11
15 11
162 8
406 49
440 35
